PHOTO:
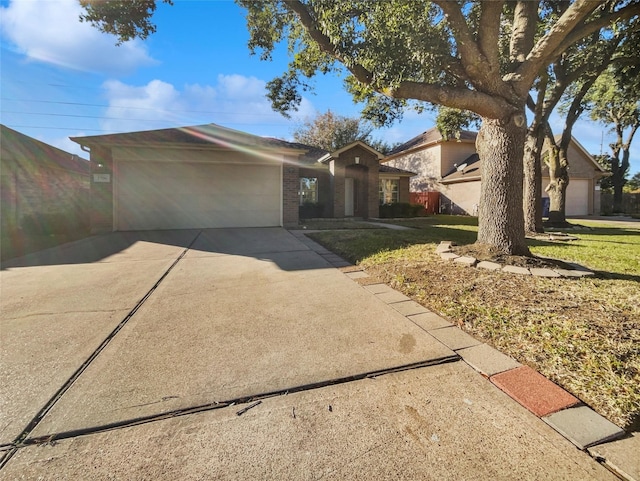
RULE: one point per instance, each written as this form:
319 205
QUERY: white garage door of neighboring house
577 197
167 195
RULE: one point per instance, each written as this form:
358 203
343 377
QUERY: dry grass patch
583 334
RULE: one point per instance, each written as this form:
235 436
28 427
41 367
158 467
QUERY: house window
308 190
389 192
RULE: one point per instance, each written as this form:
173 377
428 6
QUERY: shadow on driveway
148 245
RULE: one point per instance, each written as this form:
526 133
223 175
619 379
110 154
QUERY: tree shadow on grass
356 245
616 276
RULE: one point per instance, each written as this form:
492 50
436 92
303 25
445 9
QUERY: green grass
333 224
583 334
606 249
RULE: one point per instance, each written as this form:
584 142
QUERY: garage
197 177
183 195
577 202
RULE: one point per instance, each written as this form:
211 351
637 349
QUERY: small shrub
402 209
310 210
55 223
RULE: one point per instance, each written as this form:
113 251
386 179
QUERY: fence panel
430 201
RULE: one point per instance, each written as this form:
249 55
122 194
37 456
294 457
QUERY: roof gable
386 169
357 143
586 155
428 138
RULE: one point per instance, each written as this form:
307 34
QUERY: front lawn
583 334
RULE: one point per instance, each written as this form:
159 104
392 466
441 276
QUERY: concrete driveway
132 355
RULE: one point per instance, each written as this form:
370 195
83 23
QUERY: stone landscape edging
444 249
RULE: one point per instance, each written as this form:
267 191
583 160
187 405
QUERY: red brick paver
534 391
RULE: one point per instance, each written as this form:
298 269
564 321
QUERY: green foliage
126 19
401 209
607 183
311 210
451 121
331 132
614 100
633 184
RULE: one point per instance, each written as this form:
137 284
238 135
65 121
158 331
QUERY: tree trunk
557 188
532 203
619 170
500 145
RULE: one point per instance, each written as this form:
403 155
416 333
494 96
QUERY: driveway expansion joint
20 440
252 401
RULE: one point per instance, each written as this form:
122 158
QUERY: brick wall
43 199
373 208
101 192
403 189
290 201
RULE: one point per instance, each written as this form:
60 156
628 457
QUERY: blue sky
62 78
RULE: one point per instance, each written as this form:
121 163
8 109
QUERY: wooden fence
430 201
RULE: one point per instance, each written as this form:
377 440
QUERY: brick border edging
446 253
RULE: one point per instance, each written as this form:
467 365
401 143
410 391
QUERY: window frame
384 194
306 188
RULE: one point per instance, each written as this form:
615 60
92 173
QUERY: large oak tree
441 52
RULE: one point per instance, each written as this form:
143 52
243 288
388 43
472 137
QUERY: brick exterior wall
43 199
101 192
366 173
403 189
373 209
290 201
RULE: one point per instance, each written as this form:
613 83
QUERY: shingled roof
386 169
203 135
431 136
22 148
465 172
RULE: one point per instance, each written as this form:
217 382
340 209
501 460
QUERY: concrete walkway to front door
237 354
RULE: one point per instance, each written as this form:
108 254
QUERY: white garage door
577 197
167 195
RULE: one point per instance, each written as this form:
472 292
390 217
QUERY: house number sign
102 178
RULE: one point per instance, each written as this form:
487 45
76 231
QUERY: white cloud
234 101
51 32
64 143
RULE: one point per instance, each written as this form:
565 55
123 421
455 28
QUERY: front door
349 191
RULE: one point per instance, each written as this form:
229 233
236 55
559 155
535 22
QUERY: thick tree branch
470 53
574 112
489 32
525 19
587 29
483 72
461 98
543 51
632 132
483 104
359 72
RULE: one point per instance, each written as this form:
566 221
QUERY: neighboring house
452 167
209 176
40 184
